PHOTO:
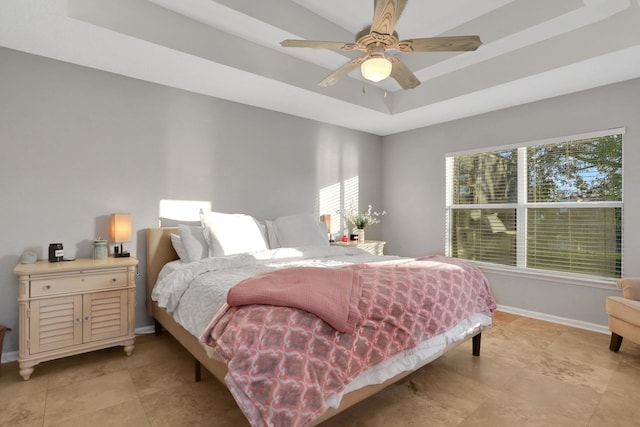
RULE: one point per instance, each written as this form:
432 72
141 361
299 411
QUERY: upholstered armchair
624 313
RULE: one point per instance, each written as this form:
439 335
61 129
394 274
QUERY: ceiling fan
380 37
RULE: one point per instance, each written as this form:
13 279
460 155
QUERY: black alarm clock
56 252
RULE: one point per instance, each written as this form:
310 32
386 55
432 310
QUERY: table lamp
120 232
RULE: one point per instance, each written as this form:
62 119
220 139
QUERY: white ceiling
532 49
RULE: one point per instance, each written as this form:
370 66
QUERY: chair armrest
630 287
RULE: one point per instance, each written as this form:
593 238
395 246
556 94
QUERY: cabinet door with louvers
104 315
55 323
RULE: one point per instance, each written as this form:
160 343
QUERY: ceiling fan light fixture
376 69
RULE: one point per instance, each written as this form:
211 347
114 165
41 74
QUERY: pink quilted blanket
285 362
331 294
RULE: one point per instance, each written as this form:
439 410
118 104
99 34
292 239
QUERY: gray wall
78 144
414 189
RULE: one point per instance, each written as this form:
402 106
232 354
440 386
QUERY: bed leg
198 371
157 327
616 342
476 344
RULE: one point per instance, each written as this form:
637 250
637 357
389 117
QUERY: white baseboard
556 319
12 356
145 330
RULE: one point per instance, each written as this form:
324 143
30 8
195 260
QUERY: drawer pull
86 319
114 280
46 287
78 320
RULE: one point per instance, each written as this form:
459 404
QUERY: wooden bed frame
159 252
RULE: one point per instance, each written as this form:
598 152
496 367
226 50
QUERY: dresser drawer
62 284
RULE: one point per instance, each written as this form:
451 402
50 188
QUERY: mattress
196 292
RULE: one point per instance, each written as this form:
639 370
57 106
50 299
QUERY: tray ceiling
230 49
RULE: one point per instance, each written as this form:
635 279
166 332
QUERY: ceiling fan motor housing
367 38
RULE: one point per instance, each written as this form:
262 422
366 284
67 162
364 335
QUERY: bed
161 252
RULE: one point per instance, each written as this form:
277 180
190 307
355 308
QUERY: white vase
360 233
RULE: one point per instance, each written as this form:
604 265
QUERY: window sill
552 276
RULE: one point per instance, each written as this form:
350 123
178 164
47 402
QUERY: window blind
550 205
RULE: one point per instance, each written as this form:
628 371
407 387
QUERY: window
550 205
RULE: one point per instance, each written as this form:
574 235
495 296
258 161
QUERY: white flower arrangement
361 219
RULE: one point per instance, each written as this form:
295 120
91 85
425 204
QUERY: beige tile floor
530 373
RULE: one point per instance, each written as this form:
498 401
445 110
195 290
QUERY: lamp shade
376 68
121 227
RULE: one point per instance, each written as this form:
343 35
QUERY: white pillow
230 234
300 230
270 233
176 241
195 245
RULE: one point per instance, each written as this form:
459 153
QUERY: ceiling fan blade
333 78
402 74
315 44
440 44
386 14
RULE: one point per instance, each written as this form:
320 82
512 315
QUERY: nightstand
375 247
73 307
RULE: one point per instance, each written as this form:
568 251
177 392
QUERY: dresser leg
128 349
25 373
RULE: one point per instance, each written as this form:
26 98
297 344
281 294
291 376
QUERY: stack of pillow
221 234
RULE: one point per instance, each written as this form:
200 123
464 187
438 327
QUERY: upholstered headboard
159 252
